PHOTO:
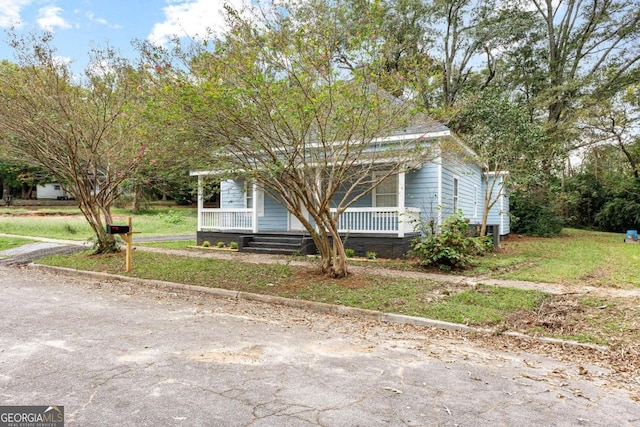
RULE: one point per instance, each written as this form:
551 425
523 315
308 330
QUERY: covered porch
392 221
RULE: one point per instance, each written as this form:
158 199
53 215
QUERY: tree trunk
485 217
105 243
25 191
338 257
332 255
137 198
6 190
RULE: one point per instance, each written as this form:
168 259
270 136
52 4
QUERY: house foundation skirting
385 246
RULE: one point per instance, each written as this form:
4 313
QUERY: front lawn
69 224
12 242
601 321
577 257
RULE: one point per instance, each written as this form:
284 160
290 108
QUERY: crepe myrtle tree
288 107
82 129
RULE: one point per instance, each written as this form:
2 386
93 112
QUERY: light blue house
383 221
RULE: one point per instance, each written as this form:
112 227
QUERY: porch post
401 203
200 202
254 214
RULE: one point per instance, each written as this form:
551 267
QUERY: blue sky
77 24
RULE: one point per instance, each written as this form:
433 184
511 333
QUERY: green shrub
349 252
371 255
453 247
70 229
220 244
172 217
233 245
206 244
534 217
619 214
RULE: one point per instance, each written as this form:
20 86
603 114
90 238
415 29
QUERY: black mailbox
117 229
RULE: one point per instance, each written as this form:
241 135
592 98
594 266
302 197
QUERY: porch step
270 251
276 245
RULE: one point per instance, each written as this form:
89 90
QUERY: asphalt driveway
120 354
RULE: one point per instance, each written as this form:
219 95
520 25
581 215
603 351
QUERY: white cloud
191 18
63 60
92 17
49 18
10 12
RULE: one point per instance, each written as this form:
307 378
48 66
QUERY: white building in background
52 190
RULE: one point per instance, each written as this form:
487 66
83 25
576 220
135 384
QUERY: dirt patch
614 322
40 214
557 316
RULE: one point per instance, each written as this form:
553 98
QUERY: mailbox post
126 233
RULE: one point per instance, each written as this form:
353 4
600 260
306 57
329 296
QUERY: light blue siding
422 188
232 194
469 189
421 191
364 202
275 216
499 213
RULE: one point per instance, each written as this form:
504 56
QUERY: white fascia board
413 136
203 173
210 172
391 138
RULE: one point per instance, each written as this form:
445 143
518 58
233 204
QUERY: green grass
196 271
579 257
479 306
12 242
176 244
69 224
485 305
583 338
589 319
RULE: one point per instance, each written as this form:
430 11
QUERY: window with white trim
248 195
249 202
386 193
455 194
475 200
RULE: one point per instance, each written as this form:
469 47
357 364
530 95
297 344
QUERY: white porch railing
226 219
391 220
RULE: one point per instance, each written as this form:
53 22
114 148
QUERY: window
248 194
475 201
455 195
386 193
250 202
56 187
